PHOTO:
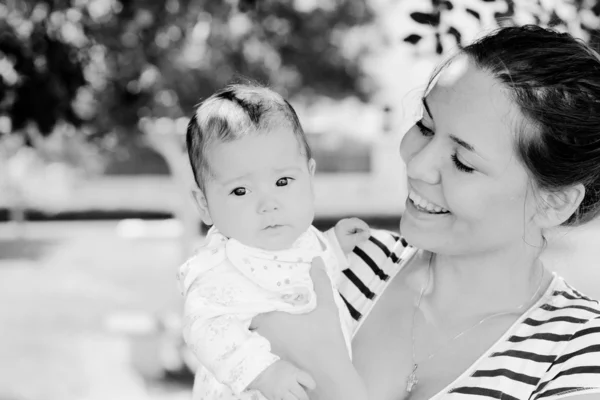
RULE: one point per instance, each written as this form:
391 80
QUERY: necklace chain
412 378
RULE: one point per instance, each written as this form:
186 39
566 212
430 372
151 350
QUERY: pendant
412 380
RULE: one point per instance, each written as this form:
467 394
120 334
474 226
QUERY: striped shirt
551 351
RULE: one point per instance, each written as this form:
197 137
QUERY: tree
446 20
40 74
104 64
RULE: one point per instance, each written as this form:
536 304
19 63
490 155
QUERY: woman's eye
460 166
424 130
283 181
238 191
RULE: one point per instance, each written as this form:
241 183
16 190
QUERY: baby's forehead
278 134
229 174
275 150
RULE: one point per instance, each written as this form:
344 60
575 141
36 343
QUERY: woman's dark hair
555 80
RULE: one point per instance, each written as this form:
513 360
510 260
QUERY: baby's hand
283 381
351 232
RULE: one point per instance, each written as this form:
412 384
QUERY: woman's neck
477 285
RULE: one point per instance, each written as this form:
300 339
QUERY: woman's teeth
425 205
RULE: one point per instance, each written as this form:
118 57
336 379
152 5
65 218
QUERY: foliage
444 20
103 65
40 74
107 63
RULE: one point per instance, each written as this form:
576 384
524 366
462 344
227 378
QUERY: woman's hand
292 334
314 342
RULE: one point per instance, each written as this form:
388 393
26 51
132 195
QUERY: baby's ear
202 204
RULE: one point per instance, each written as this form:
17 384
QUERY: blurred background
95 211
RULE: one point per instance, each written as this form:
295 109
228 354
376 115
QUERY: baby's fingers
360 225
363 235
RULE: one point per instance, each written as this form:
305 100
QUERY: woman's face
467 190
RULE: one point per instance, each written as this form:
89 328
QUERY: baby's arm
236 356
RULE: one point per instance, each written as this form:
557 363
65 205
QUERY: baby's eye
283 181
240 191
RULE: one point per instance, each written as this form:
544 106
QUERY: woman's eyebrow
462 143
455 139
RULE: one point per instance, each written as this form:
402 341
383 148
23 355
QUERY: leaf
473 13
412 38
439 48
448 5
432 19
247 5
505 18
596 9
555 20
457 35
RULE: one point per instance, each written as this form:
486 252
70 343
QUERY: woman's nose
422 158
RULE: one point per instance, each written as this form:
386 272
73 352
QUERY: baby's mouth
273 226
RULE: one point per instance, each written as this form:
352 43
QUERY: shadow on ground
25 249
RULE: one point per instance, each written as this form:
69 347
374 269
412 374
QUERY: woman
508 148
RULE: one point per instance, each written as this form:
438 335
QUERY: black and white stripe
554 349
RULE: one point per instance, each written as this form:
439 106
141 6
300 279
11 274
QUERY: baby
254 170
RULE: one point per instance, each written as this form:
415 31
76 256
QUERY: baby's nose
268 205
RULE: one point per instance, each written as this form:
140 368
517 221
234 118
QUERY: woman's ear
202 204
558 206
312 166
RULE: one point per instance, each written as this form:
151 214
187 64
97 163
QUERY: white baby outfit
226 284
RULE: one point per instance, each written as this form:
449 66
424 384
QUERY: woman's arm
315 343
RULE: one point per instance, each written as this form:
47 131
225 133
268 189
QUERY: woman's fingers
321 282
300 393
306 380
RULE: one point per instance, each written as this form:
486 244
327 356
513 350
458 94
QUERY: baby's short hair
234 112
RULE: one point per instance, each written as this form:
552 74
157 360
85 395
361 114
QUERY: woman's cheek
408 145
464 201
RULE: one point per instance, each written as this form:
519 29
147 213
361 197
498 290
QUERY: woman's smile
424 205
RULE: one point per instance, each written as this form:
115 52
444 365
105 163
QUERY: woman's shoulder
570 304
551 352
575 322
564 312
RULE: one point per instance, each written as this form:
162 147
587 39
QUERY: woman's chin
423 230
415 237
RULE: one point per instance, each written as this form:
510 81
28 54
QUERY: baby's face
261 192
